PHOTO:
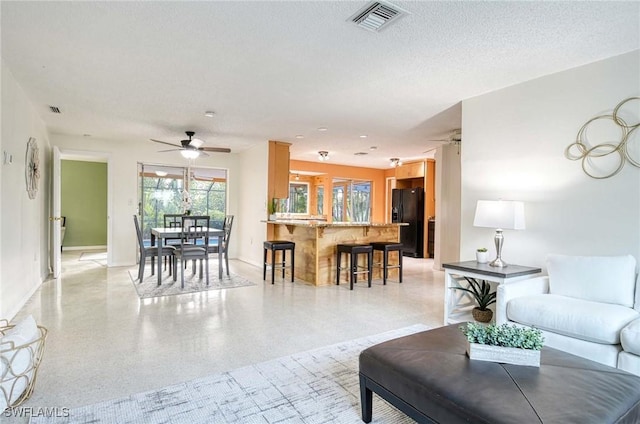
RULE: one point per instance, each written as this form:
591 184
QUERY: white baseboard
65 248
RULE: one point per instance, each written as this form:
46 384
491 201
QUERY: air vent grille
54 109
376 16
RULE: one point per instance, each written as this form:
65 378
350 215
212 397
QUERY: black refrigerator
408 207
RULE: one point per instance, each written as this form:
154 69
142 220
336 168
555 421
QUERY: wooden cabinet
278 170
410 170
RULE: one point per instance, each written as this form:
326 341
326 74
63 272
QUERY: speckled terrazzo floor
105 343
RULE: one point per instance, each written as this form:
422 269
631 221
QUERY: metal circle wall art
607 158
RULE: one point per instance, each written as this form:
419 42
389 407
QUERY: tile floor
105 343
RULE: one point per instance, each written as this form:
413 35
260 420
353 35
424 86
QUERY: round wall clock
32 167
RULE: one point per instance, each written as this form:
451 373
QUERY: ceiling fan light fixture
162 173
394 162
189 153
323 155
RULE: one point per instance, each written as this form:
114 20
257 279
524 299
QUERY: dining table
158 234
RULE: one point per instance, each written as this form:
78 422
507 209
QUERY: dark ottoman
428 376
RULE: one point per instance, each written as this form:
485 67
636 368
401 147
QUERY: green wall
84 203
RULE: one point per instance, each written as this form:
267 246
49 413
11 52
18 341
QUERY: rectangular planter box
505 355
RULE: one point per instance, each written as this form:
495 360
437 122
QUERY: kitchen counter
316 245
316 223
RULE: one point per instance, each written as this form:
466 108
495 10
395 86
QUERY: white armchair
582 306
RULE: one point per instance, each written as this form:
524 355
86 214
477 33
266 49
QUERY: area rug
317 386
192 282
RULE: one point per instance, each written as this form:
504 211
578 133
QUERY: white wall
24 224
250 232
447 238
513 148
123 158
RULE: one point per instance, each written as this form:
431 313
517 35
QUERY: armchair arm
508 291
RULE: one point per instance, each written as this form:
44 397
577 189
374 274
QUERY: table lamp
501 215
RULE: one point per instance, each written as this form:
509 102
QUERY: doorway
59 186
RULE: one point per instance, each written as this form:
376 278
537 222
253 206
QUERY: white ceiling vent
377 16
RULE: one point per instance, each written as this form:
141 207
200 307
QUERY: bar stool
354 250
283 246
385 247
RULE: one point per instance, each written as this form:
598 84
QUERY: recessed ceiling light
361 153
209 114
373 147
322 129
299 136
86 135
363 136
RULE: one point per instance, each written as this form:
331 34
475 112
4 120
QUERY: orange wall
330 171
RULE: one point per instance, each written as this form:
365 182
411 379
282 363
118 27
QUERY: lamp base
498 263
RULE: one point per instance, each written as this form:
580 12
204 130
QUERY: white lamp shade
499 214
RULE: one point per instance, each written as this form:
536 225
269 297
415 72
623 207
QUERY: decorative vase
482 257
482 315
504 355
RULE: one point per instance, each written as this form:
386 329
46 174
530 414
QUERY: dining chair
193 247
149 252
172 220
224 249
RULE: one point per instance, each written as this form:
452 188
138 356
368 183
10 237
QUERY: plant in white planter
482 256
509 344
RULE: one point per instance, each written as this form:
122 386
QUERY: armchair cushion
582 319
608 279
630 337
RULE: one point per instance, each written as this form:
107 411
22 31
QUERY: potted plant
504 343
482 256
272 209
481 292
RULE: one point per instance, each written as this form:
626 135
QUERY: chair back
172 220
228 224
196 229
138 232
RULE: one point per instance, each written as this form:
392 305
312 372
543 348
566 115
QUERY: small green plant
482 249
273 206
504 335
481 291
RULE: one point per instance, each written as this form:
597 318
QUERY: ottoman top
431 371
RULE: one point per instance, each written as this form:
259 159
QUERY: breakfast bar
316 245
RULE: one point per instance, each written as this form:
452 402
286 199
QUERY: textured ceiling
273 70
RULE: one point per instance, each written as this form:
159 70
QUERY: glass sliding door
162 190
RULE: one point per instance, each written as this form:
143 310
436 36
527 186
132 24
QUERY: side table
457 303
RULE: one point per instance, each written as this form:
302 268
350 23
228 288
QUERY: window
351 201
298 198
162 188
320 200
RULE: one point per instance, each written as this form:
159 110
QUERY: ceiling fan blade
170 150
215 149
164 142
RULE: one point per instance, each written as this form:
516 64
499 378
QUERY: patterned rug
192 282
317 386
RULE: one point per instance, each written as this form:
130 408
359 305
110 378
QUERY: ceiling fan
192 147
454 139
